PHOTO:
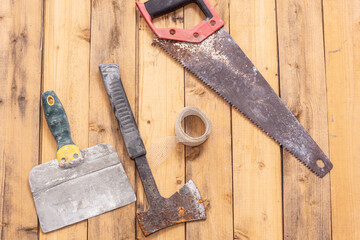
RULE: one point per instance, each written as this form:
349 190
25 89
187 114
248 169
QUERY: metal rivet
50 100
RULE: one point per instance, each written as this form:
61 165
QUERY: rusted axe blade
183 206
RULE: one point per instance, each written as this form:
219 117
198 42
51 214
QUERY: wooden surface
342 56
256 158
309 52
306 198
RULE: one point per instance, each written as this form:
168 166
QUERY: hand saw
210 53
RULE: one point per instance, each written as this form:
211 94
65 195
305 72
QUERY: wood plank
256 157
20 81
209 165
342 53
303 88
161 96
66 71
112 41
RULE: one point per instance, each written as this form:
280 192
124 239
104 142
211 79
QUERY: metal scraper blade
64 196
222 65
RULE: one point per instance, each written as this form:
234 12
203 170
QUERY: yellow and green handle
68 154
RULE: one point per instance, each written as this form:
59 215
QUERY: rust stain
183 206
181 211
181 221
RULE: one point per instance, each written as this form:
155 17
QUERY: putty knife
78 184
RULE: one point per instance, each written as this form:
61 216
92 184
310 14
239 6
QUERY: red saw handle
156 8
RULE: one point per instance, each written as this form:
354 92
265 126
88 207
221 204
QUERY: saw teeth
315 171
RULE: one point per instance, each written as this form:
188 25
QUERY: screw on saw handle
129 130
68 154
156 8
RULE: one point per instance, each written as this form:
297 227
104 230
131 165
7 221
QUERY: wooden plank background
308 50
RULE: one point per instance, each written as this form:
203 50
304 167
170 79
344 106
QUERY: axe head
181 207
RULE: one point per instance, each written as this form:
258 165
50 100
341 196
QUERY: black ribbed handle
129 130
157 8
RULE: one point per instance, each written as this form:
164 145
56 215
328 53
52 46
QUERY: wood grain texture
66 71
112 41
20 80
243 198
209 165
303 88
256 157
342 54
161 96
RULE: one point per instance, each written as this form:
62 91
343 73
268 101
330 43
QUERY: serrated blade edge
222 65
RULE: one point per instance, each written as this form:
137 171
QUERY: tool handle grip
56 119
157 8
68 154
129 130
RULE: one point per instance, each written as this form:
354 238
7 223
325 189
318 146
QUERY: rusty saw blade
220 63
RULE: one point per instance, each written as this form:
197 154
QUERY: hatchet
183 206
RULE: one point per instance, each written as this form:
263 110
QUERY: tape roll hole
50 100
320 163
195 125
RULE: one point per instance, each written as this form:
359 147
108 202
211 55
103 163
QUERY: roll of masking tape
179 131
